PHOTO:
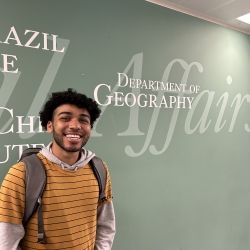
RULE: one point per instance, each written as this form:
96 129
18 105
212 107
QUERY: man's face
71 128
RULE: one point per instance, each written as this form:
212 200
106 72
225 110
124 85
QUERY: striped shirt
70 201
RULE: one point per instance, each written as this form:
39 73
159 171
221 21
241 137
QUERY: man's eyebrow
65 113
69 113
85 115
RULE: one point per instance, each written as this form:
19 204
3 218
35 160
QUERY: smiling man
73 216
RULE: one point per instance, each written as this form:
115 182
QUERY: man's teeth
73 136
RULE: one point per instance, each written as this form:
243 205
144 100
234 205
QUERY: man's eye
64 118
84 121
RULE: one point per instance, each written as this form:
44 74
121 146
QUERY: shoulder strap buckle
40 238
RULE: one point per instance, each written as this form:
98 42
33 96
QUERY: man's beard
59 141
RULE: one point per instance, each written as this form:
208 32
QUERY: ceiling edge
196 14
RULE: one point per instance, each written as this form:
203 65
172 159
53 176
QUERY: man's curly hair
69 96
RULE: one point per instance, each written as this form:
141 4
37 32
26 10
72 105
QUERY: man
73 218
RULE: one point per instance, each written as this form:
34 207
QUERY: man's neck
69 158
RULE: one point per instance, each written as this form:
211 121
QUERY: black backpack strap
29 151
40 236
34 185
101 176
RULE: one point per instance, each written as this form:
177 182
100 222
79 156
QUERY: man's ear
49 127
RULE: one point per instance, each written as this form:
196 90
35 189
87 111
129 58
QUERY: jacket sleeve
105 232
12 202
10 236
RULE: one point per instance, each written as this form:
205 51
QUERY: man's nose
75 124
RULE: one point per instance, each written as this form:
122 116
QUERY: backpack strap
100 174
35 182
29 151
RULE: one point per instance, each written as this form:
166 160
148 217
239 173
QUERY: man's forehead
71 109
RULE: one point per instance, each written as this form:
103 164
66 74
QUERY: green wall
180 175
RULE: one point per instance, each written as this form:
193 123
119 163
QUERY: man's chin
73 149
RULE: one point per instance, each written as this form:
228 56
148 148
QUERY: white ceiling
223 12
